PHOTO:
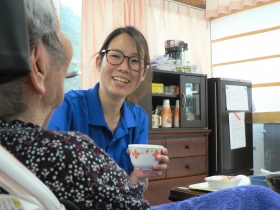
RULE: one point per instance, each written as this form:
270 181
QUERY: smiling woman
107 112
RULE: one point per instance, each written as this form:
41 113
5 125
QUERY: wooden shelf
165 95
266 117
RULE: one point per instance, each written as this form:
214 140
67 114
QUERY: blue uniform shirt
81 111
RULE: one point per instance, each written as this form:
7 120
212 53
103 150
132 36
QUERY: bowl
258 180
273 182
220 182
143 155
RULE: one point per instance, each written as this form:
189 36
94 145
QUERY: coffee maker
174 48
177 49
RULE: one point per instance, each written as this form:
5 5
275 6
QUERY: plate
202 186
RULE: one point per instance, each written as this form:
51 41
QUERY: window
69 13
246 46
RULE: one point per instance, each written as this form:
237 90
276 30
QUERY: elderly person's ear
39 62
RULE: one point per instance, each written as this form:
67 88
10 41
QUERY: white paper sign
237 130
236 97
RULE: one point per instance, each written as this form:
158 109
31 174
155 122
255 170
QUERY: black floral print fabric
72 166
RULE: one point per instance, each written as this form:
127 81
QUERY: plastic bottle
176 115
166 117
184 55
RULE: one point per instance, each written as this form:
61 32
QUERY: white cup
143 155
156 121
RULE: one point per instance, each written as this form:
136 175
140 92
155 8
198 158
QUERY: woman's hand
157 168
142 175
163 160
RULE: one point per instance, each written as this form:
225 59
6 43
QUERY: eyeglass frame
124 56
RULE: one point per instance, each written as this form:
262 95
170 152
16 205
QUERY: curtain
158 20
215 7
100 17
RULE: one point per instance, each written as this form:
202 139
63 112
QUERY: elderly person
69 163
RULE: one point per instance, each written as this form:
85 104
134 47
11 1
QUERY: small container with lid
166 116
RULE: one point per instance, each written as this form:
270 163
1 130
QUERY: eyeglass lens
116 58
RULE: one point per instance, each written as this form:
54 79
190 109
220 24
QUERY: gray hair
42 25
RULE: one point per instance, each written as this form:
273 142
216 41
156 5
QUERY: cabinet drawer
183 147
179 167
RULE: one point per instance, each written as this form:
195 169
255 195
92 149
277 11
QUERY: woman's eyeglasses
116 58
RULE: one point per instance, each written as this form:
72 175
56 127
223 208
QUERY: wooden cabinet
188 164
187 145
192 97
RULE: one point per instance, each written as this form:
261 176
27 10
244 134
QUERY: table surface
183 192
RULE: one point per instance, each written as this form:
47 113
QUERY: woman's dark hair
142 50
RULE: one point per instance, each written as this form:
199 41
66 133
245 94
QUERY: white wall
252 36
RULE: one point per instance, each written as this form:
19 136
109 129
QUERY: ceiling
195 3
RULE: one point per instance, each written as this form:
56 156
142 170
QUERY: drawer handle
187 146
187 167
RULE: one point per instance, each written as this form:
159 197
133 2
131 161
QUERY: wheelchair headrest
14 42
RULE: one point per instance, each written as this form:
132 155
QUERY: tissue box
157 88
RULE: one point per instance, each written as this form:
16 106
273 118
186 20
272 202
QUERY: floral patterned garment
72 166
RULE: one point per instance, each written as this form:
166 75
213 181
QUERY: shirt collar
96 116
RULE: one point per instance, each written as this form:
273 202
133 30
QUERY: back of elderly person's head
43 27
